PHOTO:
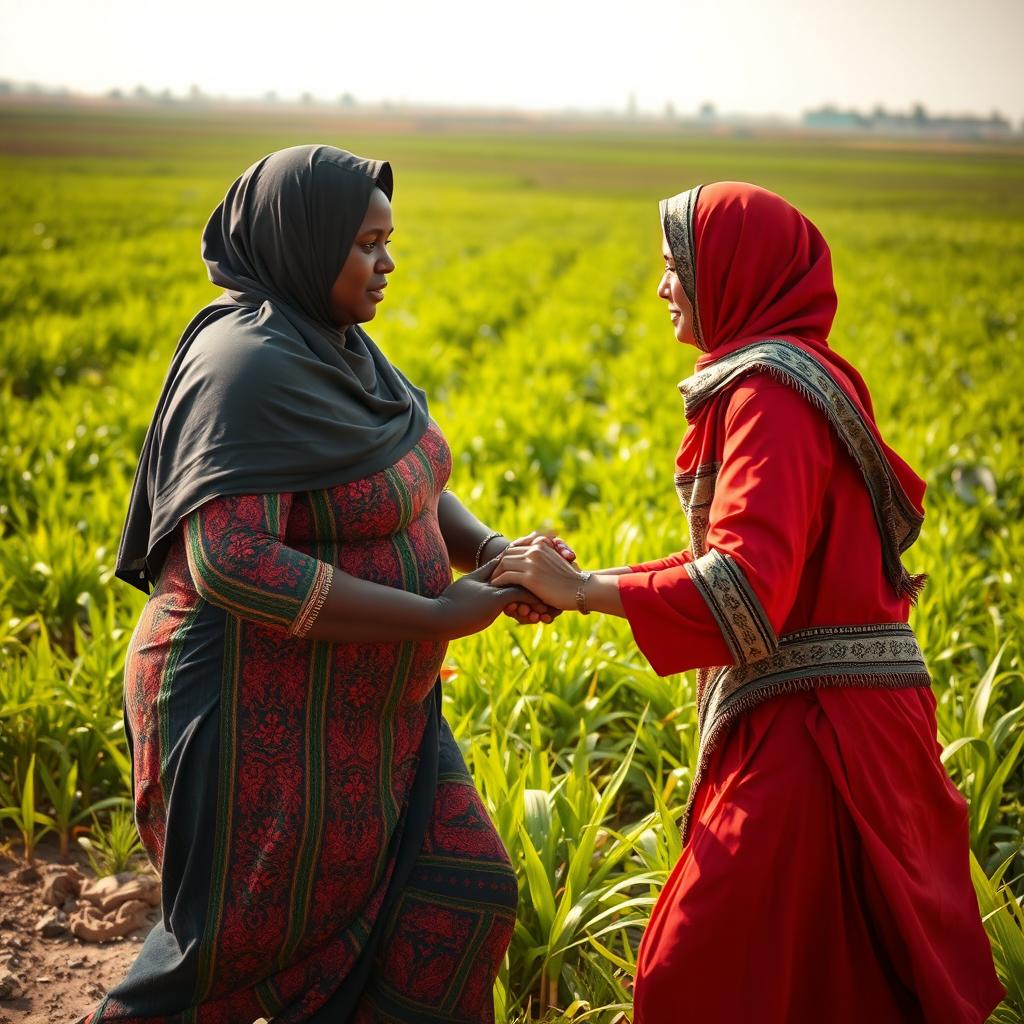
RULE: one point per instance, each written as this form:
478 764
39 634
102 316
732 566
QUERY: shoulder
763 395
764 417
246 337
247 351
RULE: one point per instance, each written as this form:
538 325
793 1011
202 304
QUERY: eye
368 246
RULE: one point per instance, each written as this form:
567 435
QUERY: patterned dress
323 852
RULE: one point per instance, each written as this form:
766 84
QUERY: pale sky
772 56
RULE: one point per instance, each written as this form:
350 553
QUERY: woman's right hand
471 604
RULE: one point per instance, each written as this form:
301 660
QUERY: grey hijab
264 393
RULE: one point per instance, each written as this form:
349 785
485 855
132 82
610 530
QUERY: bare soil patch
53 980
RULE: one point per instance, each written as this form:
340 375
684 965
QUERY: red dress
825 876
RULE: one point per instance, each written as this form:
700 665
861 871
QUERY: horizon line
705 113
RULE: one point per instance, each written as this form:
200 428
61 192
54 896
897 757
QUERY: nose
663 286
385 264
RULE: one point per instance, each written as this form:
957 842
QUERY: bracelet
581 594
315 601
480 550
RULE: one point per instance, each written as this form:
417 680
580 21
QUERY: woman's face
360 285
671 290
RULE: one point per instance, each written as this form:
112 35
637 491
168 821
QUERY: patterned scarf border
677 217
696 492
899 523
739 614
880 656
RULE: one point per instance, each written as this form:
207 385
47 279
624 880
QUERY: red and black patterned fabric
446 936
323 853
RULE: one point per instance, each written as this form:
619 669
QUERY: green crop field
524 302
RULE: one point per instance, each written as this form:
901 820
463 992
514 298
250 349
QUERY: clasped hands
544 566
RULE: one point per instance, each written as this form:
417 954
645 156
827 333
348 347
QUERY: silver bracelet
581 594
480 550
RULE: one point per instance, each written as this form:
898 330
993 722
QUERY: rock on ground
47 974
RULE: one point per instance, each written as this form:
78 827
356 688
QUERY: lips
377 294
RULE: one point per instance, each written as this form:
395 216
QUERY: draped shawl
758 275
265 394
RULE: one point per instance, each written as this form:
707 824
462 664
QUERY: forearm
463 534
366 612
602 592
238 562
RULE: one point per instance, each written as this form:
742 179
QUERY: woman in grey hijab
314 825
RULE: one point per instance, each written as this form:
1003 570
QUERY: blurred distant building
830 118
917 122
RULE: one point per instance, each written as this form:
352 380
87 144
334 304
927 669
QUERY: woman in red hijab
824 875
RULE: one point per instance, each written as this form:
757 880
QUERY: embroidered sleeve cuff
743 622
314 601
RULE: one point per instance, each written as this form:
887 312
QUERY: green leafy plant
61 784
1004 921
985 755
22 811
114 847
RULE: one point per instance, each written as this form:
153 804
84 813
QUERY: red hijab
754 268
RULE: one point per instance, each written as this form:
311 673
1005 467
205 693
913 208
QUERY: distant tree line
143 94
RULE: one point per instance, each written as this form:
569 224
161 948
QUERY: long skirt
430 956
826 876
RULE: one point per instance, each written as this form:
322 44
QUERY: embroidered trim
743 622
886 655
899 523
696 491
677 217
314 601
832 650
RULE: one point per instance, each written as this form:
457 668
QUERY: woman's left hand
539 568
531 614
